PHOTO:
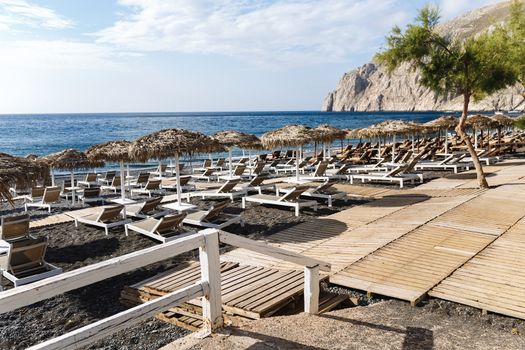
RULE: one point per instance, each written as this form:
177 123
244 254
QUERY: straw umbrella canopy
501 121
233 138
445 122
288 136
70 160
477 122
15 170
112 151
167 143
326 133
394 128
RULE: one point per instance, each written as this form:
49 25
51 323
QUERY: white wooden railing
209 287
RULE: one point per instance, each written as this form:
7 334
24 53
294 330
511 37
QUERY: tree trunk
460 129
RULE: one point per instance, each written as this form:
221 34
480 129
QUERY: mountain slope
371 88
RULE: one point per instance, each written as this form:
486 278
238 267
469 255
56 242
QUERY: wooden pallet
494 280
247 291
193 321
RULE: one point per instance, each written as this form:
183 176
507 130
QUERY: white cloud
287 32
20 13
42 55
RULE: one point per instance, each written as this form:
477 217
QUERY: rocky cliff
371 88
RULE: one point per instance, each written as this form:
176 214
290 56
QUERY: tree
473 67
520 122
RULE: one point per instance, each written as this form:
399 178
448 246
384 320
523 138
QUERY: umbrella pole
301 153
52 178
393 148
446 141
413 145
72 191
249 162
297 167
476 139
122 181
177 174
230 156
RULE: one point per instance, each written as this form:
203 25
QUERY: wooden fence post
311 289
211 274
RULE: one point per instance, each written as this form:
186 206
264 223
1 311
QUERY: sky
89 56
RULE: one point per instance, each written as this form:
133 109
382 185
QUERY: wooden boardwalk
494 280
409 267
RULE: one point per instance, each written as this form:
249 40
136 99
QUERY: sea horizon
45 133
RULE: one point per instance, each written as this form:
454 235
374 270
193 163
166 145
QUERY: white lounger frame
104 225
52 271
232 219
325 196
296 205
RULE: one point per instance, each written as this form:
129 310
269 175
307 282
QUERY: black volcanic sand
71 248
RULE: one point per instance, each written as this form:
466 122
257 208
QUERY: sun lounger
107 177
206 175
114 186
323 191
51 198
148 209
171 183
452 162
15 228
207 164
213 218
140 181
399 174
255 184
105 217
160 171
89 195
319 174
290 199
236 174
153 186
37 192
164 230
24 263
65 192
89 180
226 190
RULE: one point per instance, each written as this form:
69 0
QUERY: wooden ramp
344 238
247 291
494 280
305 236
409 267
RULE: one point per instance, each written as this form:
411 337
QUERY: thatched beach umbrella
445 122
288 136
167 143
232 138
478 122
113 151
70 160
394 128
326 133
15 170
501 121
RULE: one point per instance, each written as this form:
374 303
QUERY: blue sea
42 134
